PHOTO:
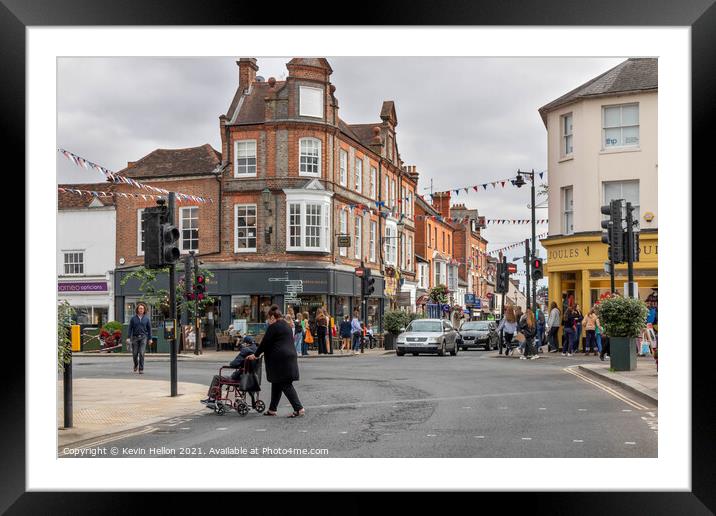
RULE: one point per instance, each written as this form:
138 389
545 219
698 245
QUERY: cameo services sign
78 286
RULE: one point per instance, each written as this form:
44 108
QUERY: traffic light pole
197 333
172 305
528 266
534 244
630 249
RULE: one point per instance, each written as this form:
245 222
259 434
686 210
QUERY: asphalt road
473 405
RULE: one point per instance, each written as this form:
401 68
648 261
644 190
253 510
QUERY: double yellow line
607 389
116 437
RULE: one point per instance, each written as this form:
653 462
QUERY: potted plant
110 336
623 320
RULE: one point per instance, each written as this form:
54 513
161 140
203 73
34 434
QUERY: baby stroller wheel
242 408
260 406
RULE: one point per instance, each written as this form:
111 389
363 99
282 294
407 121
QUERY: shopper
140 332
570 326
553 328
591 322
528 328
306 331
579 317
321 332
345 334
519 316
539 341
298 333
356 331
506 329
281 362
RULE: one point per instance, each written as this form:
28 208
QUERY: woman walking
507 327
345 334
281 362
321 331
591 323
528 327
570 324
304 325
140 332
298 333
553 328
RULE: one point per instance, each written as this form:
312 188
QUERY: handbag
309 336
249 382
520 337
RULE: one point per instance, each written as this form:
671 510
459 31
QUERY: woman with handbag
527 328
281 362
321 332
507 328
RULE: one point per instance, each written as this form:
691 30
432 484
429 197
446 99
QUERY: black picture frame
700 15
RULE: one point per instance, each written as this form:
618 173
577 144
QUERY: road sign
489 295
360 271
512 268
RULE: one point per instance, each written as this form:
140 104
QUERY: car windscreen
479 326
426 326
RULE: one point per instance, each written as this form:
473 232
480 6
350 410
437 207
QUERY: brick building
470 250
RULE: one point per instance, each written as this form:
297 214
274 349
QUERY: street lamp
519 182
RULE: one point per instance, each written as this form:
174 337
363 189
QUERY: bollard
67 387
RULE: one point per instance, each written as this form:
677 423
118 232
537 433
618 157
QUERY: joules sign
91 286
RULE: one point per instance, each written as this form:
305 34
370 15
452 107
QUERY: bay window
308 226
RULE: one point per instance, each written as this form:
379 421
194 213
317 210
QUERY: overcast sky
461 121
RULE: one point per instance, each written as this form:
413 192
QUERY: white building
86 235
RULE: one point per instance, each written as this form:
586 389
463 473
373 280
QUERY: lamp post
519 182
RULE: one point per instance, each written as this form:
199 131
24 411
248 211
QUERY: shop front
576 273
250 292
90 300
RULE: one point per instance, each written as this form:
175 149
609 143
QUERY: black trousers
553 331
605 347
284 388
591 343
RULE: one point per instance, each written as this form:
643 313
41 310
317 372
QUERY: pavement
104 407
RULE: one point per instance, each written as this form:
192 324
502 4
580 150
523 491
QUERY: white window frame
343 228
373 233
181 229
317 142
403 253
238 174
304 198
409 253
78 252
567 211
567 145
373 188
393 192
358 174
237 249
305 100
140 213
621 127
391 246
343 167
358 230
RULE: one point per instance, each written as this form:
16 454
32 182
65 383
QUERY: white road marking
526 438
503 408
260 429
344 432
542 408
303 431
185 428
582 410
222 428
467 407
629 442
430 435
626 410
479 437
577 441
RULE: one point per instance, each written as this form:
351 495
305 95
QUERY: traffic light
152 227
537 271
170 244
503 278
367 283
614 235
200 287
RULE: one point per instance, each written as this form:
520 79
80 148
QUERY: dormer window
310 101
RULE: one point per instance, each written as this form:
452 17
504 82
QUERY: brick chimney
441 202
247 72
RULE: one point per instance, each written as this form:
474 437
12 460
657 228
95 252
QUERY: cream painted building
601 145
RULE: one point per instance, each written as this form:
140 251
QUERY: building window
74 263
343 217
568 210
140 232
343 165
373 232
307 224
189 227
358 246
438 276
310 101
443 235
402 250
245 229
627 190
373 182
391 246
423 276
435 238
245 164
386 192
620 127
309 157
567 134
409 253
358 175
452 278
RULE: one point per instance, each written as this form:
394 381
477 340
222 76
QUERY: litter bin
389 341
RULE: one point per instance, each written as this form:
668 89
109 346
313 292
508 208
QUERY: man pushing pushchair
248 347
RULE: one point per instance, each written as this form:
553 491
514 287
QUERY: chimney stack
247 72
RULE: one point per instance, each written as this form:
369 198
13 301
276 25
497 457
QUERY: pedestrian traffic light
367 283
537 271
614 235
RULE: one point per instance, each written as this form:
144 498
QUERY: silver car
427 336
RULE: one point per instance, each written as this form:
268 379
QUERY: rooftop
192 161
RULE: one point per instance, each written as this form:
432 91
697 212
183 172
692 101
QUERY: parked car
474 334
427 336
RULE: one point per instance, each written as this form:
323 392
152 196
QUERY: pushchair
228 394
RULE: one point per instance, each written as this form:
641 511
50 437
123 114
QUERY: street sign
360 271
344 240
512 268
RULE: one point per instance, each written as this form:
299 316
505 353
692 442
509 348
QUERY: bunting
476 188
516 244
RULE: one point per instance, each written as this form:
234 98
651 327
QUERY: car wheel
400 353
441 351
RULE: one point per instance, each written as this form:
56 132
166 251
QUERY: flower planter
389 341
622 353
